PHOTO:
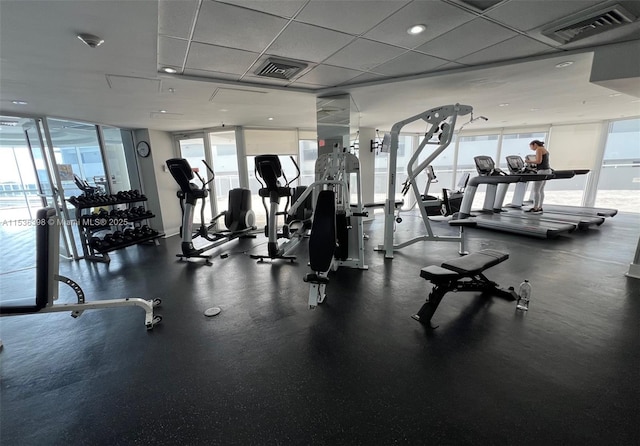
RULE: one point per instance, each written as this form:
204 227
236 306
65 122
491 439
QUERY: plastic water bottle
524 295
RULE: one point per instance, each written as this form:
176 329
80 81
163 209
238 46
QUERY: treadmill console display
484 165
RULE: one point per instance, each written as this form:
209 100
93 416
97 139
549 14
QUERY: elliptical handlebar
297 170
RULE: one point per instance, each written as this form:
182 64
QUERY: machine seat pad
475 263
315 278
438 274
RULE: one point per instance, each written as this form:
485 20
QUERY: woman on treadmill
541 161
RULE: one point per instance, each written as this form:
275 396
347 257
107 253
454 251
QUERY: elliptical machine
239 218
269 173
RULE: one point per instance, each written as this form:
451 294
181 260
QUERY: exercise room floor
356 371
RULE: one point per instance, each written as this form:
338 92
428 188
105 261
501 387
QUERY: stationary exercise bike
239 218
275 186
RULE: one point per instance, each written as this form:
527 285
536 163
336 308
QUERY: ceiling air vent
479 5
589 22
280 69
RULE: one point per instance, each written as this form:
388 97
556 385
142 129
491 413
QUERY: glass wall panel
225 165
517 144
381 168
619 183
115 154
77 152
192 149
470 147
308 156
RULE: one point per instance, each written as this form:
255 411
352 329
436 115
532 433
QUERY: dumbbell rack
90 224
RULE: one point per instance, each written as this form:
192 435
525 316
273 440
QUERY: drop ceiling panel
171 51
364 54
466 39
306 42
240 96
529 14
230 26
218 58
211 74
439 18
282 8
409 63
326 76
516 47
133 84
365 77
175 17
353 17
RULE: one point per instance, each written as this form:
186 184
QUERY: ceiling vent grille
479 5
280 69
588 23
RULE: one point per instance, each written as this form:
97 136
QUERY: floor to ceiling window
283 143
619 183
381 166
18 182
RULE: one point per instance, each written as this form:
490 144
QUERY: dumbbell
128 235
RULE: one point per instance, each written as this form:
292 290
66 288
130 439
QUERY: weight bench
462 274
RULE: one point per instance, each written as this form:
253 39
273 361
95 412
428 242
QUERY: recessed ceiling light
172 90
504 104
614 95
19 102
169 70
564 64
224 110
416 29
535 109
90 40
270 119
163 111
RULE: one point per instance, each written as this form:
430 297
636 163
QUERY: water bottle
524 294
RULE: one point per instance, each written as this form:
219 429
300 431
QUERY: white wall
158 184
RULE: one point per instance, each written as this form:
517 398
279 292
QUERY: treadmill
486 218
518 197
517 166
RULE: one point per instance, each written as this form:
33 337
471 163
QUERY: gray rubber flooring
356 371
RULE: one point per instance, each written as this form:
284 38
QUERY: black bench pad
436 273
475 263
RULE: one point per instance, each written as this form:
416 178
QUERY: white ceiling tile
365 77
217 58
516 47
171 51
364 54
529 14
327 75
132 83
282 8
301 41
437 16
175 17
409 63
349 16
230 26
466 39
210 74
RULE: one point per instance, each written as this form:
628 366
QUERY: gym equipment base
462 274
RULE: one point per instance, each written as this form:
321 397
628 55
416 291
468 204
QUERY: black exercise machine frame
462 274
189 194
